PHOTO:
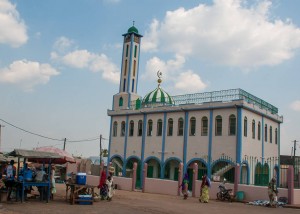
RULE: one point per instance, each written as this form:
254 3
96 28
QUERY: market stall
25 178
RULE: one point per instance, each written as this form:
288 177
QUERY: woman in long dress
53 187
185 186
102 185
110 189
204 191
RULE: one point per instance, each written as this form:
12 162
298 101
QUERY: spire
159 75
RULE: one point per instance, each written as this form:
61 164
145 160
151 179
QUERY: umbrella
66 157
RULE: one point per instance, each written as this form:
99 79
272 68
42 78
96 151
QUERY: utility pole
65 143
0 137
294 157
100 149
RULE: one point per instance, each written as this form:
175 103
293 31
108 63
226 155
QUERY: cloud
228 32
295 105
189 82
174 76
13 29
83 59
27 74
62 44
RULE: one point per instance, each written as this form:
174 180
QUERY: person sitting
10 172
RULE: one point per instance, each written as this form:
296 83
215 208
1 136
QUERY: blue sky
60 61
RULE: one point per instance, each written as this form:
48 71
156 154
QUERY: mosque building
216 130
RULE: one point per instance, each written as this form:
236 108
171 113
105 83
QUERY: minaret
129 70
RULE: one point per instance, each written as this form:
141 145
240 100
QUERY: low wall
252 193
123 183
92 180
297 196
160 186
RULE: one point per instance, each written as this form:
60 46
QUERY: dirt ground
126 202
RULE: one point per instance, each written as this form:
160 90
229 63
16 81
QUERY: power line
50 138
39 135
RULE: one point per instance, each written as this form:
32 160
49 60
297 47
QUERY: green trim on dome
158 96
133 30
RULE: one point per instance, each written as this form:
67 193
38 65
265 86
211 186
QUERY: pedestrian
10 172
53 187
185 186
204 189
110 187
102 186
272 192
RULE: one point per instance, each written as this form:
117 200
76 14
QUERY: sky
60 62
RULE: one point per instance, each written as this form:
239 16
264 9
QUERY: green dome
133 30
158 96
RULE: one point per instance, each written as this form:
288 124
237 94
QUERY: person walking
204 189
110 188
10 172
102 186
185 186
272 192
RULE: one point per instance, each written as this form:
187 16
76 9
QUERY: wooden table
74 192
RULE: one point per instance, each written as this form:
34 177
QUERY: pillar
237 172
290 182
134 176
145 176
180 174
195 176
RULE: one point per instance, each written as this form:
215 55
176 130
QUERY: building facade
216 130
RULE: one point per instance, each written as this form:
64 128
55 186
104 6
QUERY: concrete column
290 182
134 176
237 173
195 176
180 173
145 176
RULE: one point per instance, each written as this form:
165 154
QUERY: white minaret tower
129 70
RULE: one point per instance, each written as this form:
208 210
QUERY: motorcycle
224 193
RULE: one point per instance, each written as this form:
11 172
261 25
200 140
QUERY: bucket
81 178
240 196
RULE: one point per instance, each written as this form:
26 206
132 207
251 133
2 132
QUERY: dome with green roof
158 97
133 30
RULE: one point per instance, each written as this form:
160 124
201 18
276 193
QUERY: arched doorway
223 169
202 170
129 170
244 173
117 163
153 170
261 174
171 169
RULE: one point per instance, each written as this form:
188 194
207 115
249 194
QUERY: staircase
223 170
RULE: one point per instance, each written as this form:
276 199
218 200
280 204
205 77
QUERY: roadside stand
78 191
27 178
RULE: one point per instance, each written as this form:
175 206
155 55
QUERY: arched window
232 124
140 128
115 129
266 132
124 85
159 127
218 129
125 68
271 133
131 128
150 127
134 67
132 87
121 101
170 127
258 131
180 127
127 47
123 128
135 50
204 126
193 126
245 127
253 129
276 136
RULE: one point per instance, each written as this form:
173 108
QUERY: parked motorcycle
224 193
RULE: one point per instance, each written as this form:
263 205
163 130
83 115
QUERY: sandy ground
135 202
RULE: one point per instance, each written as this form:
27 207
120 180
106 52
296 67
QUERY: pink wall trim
160 186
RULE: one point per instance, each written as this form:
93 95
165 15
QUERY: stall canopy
66 157
36 156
